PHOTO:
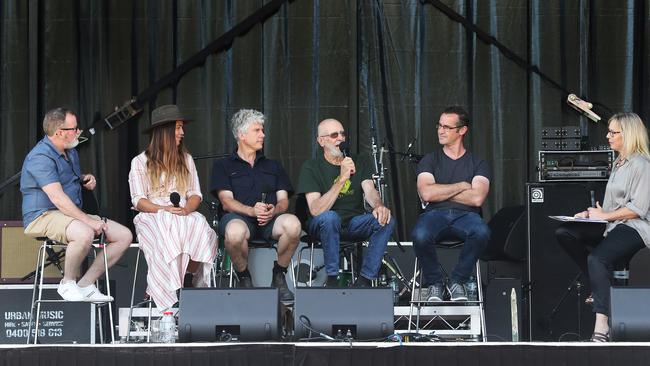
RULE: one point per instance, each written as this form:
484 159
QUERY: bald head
329 125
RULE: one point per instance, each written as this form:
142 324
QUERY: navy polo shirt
247 182
42 166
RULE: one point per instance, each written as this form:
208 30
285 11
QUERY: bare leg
80 237
118 239
236 243
286 231
602 323
192 267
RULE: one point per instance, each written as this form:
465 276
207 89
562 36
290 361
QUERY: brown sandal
599 337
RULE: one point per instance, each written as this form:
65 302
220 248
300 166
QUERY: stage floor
339 354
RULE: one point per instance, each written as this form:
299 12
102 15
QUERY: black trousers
597 255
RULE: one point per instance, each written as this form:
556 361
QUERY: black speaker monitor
629 314
508 235
215 314
359 313
557 310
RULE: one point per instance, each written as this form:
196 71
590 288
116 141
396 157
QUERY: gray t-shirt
629 186
445 170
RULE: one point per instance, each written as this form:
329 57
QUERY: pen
593 198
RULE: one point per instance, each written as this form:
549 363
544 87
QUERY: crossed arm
470 194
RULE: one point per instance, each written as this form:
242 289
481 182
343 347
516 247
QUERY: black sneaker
332 281
436 292
279 281
245 282
457 292
362 282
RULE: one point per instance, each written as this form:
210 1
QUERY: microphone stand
211 156
53 257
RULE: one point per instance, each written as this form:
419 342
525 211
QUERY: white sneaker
92 294
70 291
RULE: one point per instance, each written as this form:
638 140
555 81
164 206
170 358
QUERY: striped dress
169 241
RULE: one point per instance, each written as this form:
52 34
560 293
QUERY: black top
248 182
448 171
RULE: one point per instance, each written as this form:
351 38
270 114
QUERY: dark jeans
327 227
435 225
597 255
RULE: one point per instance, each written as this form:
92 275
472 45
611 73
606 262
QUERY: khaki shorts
53 224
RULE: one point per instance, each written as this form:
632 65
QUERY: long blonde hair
634 133
163 156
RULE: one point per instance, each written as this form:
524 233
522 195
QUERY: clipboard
577 219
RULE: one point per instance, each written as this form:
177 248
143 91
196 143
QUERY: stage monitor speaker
216 314
499 307
629 314
18 254
358 313
553 298
61 322
508 235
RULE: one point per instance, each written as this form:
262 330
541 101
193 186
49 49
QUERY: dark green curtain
386 69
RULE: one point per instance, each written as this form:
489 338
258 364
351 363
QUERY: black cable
307 324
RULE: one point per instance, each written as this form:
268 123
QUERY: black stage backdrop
392 65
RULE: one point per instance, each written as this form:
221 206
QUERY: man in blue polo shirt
51 183
254 192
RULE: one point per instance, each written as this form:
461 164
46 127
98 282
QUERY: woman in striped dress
175 239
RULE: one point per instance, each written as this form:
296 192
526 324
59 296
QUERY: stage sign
69 322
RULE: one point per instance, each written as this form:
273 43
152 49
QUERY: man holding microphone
334 185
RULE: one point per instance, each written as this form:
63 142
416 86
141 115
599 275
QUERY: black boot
332 281
279 281
244 278
362 282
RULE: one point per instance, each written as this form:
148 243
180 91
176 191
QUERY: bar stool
259 243
38 287
447 308
147 300
345 247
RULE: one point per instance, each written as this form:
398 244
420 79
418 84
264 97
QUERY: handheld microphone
345 148
175 198
582 106
266 190
593 198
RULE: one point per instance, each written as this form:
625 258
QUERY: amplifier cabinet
553 299
61 322
18 254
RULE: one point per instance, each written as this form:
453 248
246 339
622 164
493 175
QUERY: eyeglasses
613 133
447 128
334 135
70 128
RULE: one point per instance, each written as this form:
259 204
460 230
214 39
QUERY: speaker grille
18 254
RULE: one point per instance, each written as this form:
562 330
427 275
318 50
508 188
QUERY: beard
72 144
334 150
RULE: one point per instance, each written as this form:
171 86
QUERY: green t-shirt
318 175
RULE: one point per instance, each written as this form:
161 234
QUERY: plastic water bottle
168 328
472 289
394 284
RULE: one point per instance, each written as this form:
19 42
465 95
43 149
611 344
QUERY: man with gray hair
254 192
51 183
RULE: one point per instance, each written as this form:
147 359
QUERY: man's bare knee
236 233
